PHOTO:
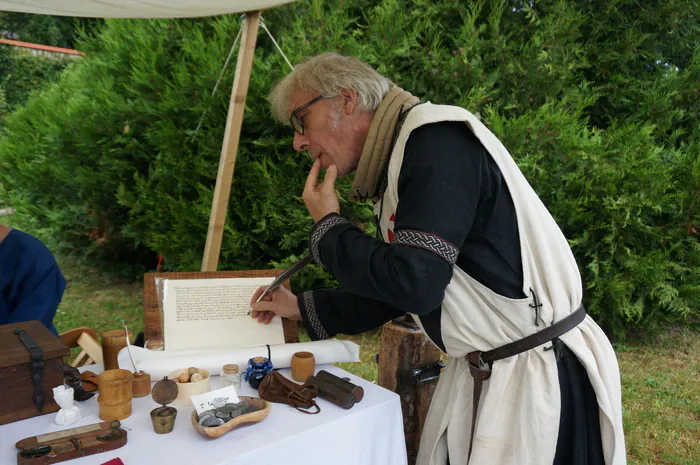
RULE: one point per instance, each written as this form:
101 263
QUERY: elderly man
470 252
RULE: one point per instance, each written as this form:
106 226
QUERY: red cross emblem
389 232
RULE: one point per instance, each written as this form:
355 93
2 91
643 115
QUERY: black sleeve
438 193
328 312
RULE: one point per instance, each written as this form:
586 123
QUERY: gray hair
327 74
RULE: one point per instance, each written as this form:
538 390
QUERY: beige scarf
375 154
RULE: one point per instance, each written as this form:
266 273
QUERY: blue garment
31 284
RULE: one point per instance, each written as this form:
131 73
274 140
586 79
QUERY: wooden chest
18 395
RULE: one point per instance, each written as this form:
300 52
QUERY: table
369 433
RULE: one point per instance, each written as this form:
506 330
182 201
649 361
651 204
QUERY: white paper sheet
214 399
213 314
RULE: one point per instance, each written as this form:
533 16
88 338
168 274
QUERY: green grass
369 347
661 392
661 399
96 299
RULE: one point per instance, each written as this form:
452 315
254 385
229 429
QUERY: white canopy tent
137 8
183 9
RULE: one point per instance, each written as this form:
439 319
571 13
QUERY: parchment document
212 313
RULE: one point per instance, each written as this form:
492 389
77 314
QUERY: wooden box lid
13 352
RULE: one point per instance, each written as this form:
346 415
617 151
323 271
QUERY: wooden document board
152 314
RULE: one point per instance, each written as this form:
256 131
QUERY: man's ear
350 100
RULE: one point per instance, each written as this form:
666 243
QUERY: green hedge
57 31
21 74
598 105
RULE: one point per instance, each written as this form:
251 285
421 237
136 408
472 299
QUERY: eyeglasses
295 121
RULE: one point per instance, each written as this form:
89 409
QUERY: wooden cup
112 342
302 366
114 394
141 384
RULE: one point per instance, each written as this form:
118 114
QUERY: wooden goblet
302 366
112 342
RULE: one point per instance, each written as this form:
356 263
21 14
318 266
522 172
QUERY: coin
207 413
241 409
228 408
210 422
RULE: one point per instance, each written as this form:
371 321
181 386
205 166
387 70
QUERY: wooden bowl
213 432
185 390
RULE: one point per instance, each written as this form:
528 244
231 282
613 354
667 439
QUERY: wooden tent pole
232 136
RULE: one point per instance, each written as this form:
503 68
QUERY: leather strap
480 373
36 365
540 337
302 399
480 363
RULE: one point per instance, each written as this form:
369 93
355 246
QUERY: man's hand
321 199
280 302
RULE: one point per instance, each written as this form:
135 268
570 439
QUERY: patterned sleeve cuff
427 241
310 317
320 229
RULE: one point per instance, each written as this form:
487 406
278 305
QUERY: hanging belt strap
36 366
480 362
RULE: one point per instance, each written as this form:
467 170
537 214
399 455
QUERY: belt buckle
483 365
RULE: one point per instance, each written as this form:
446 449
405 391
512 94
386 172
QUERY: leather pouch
89 380
276 388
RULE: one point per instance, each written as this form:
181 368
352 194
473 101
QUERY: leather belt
480 363
36 365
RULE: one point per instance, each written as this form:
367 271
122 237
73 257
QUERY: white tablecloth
369 433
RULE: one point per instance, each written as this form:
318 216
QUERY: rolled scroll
160 363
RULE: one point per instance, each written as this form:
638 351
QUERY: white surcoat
518 415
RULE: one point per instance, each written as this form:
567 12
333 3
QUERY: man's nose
301 142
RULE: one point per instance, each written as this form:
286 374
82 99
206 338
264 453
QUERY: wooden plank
91 347
80 359
401 350
227 161
70 337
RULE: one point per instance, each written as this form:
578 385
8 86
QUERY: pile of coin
219 416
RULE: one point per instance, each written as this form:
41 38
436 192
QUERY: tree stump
404 348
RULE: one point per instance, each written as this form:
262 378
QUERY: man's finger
257 293
312 178
329 179
264 306
268 317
